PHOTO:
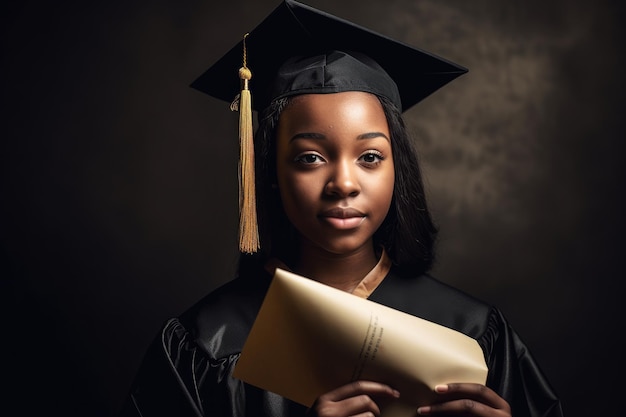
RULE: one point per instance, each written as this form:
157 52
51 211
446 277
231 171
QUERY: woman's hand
359 398
465 399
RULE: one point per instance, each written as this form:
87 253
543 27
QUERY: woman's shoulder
429 298
197 350
220 322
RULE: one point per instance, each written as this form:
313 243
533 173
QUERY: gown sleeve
178 379
513 372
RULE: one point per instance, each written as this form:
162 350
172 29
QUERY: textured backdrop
119 182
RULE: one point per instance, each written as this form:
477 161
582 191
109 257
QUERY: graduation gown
187 370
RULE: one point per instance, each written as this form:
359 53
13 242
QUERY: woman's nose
343 182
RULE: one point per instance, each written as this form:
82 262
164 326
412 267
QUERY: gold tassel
248 227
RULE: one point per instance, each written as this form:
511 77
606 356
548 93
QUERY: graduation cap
297 50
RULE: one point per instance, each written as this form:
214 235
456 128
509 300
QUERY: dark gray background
119 182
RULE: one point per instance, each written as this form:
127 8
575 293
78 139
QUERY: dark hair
407 233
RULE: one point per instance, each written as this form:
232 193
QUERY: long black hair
408 233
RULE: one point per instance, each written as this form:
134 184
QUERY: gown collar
364 288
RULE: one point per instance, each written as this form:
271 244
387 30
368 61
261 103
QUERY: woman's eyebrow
307 135
311 135
372 135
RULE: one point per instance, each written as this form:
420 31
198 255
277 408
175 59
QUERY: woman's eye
371 157
309 158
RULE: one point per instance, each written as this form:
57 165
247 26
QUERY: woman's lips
343 218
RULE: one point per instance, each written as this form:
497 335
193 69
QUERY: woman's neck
343 272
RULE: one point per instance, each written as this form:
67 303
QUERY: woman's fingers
465 399
359 398
476 392
360 387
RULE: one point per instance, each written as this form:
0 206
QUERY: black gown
187 369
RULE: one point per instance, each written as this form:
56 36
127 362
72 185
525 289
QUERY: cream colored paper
309 338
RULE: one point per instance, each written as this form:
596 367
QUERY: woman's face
335 169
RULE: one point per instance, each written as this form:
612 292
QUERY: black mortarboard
301 50
307 36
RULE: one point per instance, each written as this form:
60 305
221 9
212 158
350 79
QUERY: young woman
339 200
